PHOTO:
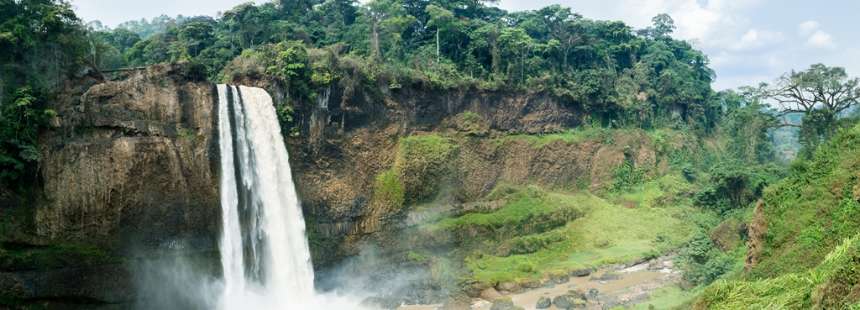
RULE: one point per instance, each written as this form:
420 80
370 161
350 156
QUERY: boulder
560 279
569 301
508 287
580 273
592 294
504 304
490 294
563 301
543 303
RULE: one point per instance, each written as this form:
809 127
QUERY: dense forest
622 76
625 81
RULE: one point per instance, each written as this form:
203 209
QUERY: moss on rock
422 164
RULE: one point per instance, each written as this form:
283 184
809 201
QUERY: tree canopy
821 94
610 69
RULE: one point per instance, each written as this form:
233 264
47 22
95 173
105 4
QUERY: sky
747 41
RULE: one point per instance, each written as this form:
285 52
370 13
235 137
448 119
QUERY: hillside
803 239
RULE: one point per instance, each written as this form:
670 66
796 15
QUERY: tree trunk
375 52
496 59
438 49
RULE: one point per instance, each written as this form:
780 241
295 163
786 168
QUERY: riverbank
606 288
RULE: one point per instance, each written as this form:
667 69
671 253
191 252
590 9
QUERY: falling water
264 252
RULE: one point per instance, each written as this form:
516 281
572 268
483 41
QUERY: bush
627 176
21 119
734 185
702 262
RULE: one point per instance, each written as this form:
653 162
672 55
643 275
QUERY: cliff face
346 141
133 164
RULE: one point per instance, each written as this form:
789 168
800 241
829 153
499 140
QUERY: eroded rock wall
344 143
132 164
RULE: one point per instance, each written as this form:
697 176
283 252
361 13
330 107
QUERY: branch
789 111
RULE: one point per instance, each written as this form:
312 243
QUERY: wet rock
508 287
578 294
532 284
134 164
504 304
580 273
380 302
457 302
568 301
543 303
560 279
490 294
547 283
592 294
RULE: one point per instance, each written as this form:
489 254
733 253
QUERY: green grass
670 297
606 233
569 136
388 190
813 209
422 164
529 209
668 189
799 290
424 148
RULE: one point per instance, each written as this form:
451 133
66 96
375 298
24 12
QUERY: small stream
608 287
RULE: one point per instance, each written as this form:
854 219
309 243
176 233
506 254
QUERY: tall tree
821 94
441 19
515 42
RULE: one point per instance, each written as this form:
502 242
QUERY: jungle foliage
622 75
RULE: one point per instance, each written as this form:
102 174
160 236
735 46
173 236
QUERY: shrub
627 176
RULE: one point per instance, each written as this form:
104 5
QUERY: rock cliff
129 176
346 139
133 164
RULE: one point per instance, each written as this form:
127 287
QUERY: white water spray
264 252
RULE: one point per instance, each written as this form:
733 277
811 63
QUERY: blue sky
748 41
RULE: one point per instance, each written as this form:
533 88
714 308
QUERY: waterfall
264 252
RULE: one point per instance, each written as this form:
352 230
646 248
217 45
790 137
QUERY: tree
441 19
821 94
746 124
43 42
662 27
388 19
515 42
247 22
196 35
563 26
484 43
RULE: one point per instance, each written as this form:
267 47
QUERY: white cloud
754 39
748 41
713 23
815 37
820 39
806 28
